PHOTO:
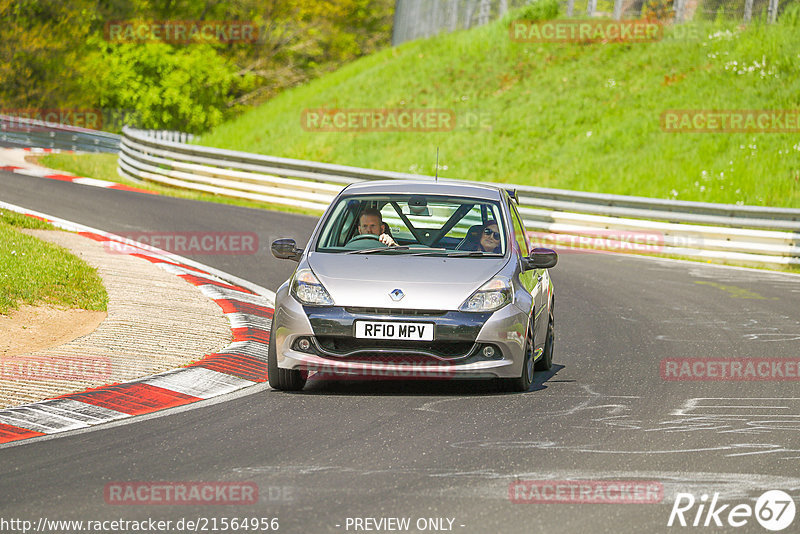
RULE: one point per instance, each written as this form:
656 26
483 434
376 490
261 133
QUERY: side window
519 230
331 233
346 226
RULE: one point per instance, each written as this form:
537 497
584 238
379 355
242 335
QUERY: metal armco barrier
34 133
751 234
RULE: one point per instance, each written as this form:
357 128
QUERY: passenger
490 238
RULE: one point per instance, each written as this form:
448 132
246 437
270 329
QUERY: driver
371 222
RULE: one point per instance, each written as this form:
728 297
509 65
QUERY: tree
42 43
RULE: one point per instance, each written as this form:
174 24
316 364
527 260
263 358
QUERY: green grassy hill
573 116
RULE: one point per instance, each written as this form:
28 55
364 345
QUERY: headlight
491 296
308 290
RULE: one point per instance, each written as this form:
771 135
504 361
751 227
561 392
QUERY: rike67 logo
774 510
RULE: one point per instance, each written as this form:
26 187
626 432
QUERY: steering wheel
364 236
363 242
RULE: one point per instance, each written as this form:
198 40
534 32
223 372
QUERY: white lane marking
767 336
702 266
249 348
199 382
93 182
748 324
177 270
32 418
246 320
126 419
58 415
81 411
724 416
223 293
777 448
34 172
760 448
703 406
588 404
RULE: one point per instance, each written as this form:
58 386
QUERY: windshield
414 224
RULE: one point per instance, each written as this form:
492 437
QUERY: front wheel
523 383
546 361
283 379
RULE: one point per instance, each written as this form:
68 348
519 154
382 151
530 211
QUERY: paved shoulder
159 323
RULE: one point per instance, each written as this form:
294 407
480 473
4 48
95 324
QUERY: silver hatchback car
414 279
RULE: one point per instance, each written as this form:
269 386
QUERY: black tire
283 379
523 383
546 361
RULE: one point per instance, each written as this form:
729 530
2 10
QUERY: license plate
389 330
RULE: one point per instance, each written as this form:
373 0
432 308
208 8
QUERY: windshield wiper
450 253
428 251
379 249
423 251
470 253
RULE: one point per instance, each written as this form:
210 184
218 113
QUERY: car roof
426 187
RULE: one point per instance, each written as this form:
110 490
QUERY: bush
659 10
538 10
180 88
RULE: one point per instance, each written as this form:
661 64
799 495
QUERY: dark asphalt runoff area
444 454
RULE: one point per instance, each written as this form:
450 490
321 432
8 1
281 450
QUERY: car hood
428 282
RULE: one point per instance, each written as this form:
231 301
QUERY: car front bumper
456 352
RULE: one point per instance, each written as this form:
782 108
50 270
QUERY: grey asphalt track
343 450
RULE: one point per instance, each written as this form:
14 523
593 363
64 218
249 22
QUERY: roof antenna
436 176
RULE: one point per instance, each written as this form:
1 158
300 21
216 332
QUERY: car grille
344 346
396 359
394 311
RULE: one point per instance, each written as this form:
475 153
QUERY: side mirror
286 249
540 258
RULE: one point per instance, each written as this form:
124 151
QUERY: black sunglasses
495 235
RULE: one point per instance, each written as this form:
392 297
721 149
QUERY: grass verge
34 272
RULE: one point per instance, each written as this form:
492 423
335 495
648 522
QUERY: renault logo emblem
396 294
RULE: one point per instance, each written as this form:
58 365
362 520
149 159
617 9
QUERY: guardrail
751 234
35 133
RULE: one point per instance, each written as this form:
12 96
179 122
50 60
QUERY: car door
532 280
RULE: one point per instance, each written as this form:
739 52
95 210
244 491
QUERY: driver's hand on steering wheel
387 240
